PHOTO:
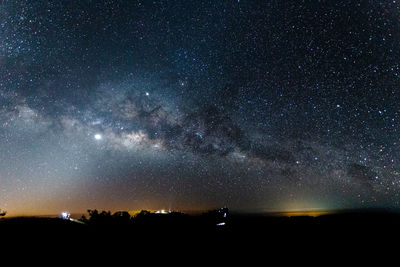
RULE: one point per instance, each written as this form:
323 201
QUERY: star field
258 105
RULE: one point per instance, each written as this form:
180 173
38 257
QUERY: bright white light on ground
65 215
161 212
98 136
220 224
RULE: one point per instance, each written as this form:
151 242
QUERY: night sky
188 105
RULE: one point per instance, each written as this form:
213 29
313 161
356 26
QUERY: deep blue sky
258 105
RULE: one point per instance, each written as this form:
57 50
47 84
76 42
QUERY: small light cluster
162 212
65 215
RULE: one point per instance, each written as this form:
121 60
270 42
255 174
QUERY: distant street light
65 215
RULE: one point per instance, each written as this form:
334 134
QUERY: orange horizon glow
310 213
133 212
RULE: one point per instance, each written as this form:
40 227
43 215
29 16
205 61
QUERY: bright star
98 136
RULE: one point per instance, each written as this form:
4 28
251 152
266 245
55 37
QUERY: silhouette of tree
121 217
105 218
143 213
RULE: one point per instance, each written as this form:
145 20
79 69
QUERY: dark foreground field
349 224
335 233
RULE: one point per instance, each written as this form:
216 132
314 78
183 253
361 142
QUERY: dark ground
334 226
332 235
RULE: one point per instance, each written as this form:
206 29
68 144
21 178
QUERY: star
218 109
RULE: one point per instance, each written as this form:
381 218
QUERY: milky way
188 105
